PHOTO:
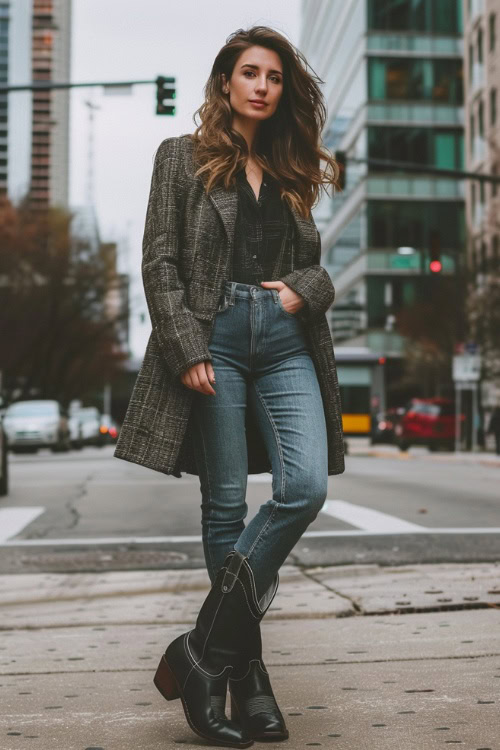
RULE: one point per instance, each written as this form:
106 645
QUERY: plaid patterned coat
187 246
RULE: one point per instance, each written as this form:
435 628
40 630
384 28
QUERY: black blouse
264 231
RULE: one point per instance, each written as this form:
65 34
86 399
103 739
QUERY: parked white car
90 418
75 425
36 423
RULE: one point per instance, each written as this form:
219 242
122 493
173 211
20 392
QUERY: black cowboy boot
253 704
196 665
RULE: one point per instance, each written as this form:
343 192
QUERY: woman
239 374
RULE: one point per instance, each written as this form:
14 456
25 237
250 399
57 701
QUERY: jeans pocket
280 305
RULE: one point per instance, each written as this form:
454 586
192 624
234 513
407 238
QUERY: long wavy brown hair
287 145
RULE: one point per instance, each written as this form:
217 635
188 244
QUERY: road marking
13 520
96 541
368 519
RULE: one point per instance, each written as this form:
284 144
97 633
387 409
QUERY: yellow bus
362 387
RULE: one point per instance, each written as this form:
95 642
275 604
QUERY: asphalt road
88 511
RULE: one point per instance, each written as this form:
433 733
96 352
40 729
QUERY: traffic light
435 265
165 91
341 159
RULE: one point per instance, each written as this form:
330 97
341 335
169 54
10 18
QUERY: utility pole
90 153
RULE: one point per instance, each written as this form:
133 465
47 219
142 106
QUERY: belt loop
275 296
231 294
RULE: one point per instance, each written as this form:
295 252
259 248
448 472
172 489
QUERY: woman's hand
199 377
291 301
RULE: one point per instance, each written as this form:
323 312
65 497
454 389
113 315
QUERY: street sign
466 367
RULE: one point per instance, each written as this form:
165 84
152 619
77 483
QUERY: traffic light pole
44 85
165 89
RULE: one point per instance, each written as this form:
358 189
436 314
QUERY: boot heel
165 681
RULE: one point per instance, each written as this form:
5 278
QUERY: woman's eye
275 78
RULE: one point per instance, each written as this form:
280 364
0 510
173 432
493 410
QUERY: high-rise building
482 129
393 86
51 28
4 71
38 137
482 135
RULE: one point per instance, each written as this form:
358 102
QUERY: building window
472 134
471 62
418 79
480 119
492 31
393 224
428 16
493 106
480 46
432 146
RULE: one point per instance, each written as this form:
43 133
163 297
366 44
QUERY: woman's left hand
291 301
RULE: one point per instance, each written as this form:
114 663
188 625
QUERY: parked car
90 418
428 421
75 431
384 425
4 462
109 428
36 423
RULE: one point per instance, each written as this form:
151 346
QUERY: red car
428 421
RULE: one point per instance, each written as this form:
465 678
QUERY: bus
362 388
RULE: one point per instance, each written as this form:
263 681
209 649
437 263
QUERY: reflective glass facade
409 78
393 224
442 148
431 16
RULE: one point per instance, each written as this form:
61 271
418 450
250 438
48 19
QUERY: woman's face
257 75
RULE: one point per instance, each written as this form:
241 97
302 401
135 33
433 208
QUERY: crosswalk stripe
367 519
145 540
14 520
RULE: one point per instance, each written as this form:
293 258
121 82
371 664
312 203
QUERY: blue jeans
261 361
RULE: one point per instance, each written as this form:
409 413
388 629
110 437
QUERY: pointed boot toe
254 706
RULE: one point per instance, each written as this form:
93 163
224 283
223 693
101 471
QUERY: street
86 510
383 634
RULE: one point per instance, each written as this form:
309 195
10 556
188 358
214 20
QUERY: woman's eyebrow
256 67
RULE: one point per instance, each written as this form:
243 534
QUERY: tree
433 326
58 338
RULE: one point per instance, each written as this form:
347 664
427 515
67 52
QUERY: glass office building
393 74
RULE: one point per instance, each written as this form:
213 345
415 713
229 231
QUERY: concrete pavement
360 656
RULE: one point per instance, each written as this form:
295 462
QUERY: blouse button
254 256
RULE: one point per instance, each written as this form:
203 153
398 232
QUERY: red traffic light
435 266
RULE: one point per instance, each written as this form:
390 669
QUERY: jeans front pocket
280 305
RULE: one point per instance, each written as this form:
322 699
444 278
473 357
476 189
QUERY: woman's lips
258 104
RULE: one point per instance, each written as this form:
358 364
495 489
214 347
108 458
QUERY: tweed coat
187 246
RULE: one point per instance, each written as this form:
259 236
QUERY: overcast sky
118 40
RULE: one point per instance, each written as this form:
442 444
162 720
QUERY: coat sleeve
313 283
180 335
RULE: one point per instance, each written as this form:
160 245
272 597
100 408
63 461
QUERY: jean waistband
252 291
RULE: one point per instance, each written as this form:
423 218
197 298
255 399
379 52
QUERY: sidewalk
362 657
363 447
